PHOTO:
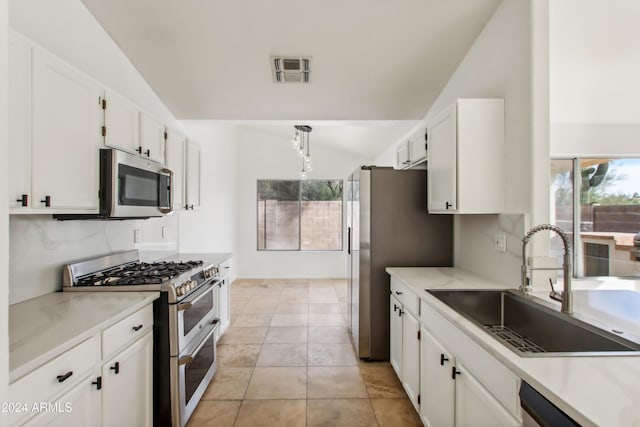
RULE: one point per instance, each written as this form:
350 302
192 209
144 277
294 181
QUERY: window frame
300 200
577 255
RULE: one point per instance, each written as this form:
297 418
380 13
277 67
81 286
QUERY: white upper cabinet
465 173
175 155
192 175
413 151
121 123
152 138
19 122
66 120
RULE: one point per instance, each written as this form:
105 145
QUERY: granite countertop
44 327
595 391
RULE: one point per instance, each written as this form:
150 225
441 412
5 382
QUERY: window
300 215
597 201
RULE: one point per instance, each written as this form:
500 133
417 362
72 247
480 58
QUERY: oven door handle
189 358
185 305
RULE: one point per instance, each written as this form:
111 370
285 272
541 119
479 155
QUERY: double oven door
193 349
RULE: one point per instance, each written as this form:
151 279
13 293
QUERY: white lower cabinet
437 389
411 357
224 297
80 406
395 329
126 386
475 406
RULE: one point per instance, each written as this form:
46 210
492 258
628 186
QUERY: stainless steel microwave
130 187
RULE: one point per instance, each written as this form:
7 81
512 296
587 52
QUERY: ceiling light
303 147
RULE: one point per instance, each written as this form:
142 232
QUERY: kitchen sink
531 328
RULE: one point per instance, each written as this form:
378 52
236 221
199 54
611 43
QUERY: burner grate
516 340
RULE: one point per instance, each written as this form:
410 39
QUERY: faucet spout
566 296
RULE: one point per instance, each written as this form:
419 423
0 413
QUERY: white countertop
44 327
595 391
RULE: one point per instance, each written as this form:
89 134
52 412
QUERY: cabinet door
395 336
193 175
417 148
152 138
224 305
476 407
411 357
121 120
175 162
402 156
442 168
437 388
66 126
19 129
127 395
80 406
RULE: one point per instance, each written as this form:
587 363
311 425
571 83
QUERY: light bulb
303 175
308 168
307 160
300 153
295 143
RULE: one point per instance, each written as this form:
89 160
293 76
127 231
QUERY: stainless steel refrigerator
387 226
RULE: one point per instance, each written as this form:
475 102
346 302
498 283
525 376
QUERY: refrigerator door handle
349 240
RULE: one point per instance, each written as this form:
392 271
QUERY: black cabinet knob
443 359
116 368
137 328
46 201
97 383
447 205
23 200
148 153
139 149
454 372
63 378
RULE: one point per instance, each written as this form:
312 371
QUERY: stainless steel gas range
185 321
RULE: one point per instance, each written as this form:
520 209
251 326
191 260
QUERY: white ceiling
371 60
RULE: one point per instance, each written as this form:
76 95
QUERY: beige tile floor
286 360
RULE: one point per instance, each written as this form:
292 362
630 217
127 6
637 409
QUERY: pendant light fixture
301 144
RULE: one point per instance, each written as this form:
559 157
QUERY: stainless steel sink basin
533 329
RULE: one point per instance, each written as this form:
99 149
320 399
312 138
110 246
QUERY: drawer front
127 330
48 381
407 298
494 376
225 268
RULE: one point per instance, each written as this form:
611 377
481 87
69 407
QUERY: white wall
67 29
263 156
4 216
498 65
210 227
594 68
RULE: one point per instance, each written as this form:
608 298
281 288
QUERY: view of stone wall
279 224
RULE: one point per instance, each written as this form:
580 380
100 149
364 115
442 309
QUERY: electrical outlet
500 242
137 235
164 231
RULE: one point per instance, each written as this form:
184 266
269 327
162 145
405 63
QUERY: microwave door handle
170 209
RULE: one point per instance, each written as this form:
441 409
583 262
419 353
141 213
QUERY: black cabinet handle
46 201
395 307
399 311
63 378
443 359
398 293
454 372
97 383
23 200
137 328
447 205
139 149
148 153
116 368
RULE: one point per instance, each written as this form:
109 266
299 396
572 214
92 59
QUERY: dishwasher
538 411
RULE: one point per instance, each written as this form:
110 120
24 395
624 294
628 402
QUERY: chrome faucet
565 297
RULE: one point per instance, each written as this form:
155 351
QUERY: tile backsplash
40 246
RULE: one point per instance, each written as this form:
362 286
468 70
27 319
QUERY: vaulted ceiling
371 59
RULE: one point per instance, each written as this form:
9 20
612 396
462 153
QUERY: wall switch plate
500 242
164 231
137 235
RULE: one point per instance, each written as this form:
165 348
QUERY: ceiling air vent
291 69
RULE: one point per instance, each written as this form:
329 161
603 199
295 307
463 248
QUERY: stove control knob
179 291
193 284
